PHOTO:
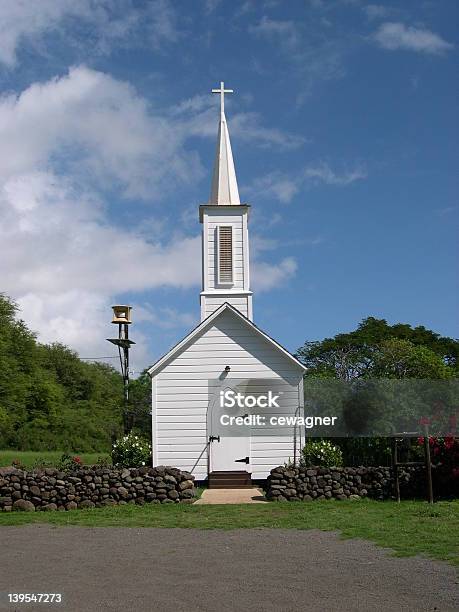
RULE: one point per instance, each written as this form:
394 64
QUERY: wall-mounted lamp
227 368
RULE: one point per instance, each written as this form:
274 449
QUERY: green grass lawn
409 528
28 458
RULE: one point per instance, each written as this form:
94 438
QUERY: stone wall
308 484
87 487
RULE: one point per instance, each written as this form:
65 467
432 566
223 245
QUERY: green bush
366 451
69 463
322 453
131 451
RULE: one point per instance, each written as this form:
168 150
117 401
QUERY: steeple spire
224 183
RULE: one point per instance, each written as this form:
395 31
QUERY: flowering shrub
445 452
131 451
68 463
322 453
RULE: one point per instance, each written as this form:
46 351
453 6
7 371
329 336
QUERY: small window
225 254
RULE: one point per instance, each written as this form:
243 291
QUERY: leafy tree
139 407
366 352
395 358
49 398
376 350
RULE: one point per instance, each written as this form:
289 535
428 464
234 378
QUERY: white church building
223 350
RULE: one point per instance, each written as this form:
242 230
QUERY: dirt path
188 569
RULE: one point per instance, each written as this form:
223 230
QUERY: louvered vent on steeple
225 254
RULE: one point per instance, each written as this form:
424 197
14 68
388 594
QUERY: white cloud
64 257
259 243
247 127
103 126
322 172
65 263
27 19
164 318
161 21
284 186
57 235
80 320
64 260
191 106
111 22
376 11
284 32
314 57
394 36
197 117
276 185
266 276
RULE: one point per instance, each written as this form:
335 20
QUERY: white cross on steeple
222 91
224 184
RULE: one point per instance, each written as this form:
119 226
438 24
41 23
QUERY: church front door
228 454
229 447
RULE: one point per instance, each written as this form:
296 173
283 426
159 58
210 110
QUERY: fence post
395 468
428 467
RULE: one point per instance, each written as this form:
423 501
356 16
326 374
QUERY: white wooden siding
212 303
214 293
181 396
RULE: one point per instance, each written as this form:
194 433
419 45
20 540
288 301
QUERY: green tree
395 358
353 355
139 407
377 350
49 398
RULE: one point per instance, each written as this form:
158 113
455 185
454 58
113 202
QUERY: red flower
436 450
432 440
449 442
421 441
77 460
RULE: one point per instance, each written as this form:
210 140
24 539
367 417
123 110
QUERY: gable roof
206 323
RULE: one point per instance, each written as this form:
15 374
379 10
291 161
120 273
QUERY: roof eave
225 306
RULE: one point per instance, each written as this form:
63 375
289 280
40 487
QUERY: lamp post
122 318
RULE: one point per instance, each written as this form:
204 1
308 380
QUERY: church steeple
225 236
224 183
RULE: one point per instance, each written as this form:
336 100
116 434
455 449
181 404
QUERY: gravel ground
189 569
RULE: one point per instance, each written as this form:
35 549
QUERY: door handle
243 460
214 438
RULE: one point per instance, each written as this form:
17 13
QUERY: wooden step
230 480
232 474
227 486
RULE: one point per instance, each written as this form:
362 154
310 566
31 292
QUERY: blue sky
344 134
